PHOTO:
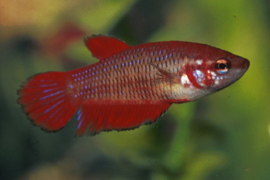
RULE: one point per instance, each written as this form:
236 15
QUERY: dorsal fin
102 47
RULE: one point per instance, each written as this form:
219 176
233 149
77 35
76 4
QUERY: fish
129 86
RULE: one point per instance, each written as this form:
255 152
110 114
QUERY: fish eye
222 66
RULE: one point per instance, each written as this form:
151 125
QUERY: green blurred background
223 136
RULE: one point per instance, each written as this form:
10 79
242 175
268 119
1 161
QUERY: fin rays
94 118
46 101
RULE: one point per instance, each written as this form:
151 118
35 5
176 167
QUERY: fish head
214 69
226 70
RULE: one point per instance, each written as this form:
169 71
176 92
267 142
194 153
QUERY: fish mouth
241 67
245 64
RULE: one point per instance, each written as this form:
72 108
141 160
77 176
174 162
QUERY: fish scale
129 63
122 79
129 86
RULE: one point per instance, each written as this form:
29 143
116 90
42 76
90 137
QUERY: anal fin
94 117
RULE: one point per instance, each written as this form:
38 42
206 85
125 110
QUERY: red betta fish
129 86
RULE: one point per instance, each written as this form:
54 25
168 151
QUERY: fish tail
49 100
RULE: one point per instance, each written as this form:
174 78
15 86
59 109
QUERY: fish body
130 85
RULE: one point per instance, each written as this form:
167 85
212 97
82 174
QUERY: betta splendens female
129 86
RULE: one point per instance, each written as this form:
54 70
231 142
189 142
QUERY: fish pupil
222 66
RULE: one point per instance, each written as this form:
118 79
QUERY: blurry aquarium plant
224 136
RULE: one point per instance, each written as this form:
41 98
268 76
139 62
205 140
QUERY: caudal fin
48 101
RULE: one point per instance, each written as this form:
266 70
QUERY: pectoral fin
165 76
